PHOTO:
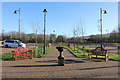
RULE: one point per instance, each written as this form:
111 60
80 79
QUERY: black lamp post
101 22
44 27
19 21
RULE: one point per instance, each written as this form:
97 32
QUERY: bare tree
78 32
74 34
35 30
81 32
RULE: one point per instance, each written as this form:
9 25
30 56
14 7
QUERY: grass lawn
8 56
40 52
59 44
79 54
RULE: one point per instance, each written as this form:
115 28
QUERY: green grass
8 56
79 54
40 52
65 44
114 57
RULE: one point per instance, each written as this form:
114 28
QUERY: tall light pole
101 22
19 21
44 27
2 35
53 39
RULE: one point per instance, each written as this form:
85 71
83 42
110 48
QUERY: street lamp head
105 12
15 12
44 10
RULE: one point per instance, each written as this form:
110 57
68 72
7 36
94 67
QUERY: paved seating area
47 67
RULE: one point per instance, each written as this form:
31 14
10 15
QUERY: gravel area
47 67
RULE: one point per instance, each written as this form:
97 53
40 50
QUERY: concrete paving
47 67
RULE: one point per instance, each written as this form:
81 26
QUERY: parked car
13 43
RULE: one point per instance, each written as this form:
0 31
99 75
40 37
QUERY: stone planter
60 57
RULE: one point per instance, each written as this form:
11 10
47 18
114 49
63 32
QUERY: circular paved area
47 67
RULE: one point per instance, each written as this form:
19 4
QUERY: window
9 41
16 42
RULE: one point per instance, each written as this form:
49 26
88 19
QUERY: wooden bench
22 53
99 52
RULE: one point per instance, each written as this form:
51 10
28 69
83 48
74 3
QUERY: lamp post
53 39
101 22
44 27
2 35
19 21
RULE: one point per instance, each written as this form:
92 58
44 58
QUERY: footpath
47 67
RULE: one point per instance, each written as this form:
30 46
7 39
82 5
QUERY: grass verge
40 52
